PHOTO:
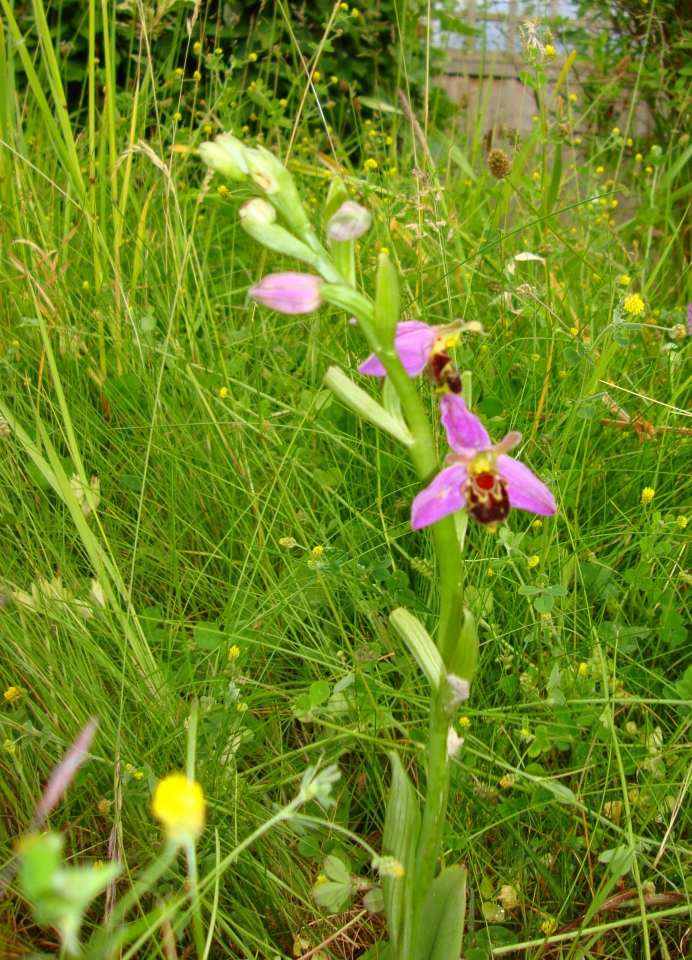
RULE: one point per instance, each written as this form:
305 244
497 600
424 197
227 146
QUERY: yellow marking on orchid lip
451 341
481 464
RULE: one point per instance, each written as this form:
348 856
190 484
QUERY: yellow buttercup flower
180 805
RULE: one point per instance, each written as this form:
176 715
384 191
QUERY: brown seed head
499 164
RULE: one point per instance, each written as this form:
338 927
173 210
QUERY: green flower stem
435 812
450 564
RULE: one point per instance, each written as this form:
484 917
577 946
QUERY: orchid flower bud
289 292
263 171
349 222
257 211
228 156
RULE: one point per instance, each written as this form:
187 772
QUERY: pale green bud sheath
275 181
387 300
257 211
228 156
346 221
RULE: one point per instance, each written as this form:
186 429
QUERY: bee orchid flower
422 347
480 477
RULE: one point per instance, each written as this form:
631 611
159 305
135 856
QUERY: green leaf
209 636
332 896
544 604
319 692
365 406
443 916
419 642
336 870
555 179
399 839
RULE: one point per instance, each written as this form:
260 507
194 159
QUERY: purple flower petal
414 341
464 429
440 498
526 491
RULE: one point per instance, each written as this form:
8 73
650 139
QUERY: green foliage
223 463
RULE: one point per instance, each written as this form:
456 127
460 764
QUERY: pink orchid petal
372 367
464 429
414 341
525 490
440 498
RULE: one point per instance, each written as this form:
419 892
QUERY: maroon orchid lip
481 477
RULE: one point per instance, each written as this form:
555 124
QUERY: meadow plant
425 909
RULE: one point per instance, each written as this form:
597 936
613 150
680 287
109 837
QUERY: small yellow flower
208 129
288 542
634 305
574 331
333 79
180 805
317 76
491 572
525 732
611 223
223 192
10 747
550 51
197 47
599 169
14 693
241 707
372 133
245 128
370 165
252 58
234 652
129 768
638 158
536 175
682 522
464 722
533 561
385 251
534 118
179 71
317 552
648 169
507 781
582 669
218 51
616 131
223 393
197 76
648 494
613 204
573 98
283 102
355 13
104 807
535 357
137 775
577 141
537 524
549 926
85 285
98 864
624 280
177 116
630 141
388 141
563 374
344 7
